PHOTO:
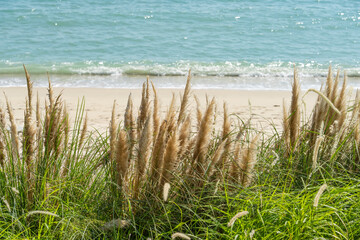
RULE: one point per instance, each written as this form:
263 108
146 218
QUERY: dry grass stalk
53 127
335 88
238 215
166 191
184 136
143 151
122 155
129 125
203 139
226 124
50 94
226 136
28 139
180 235
198 111
28 149
235 164
38 121
329 83
326 100
158 153
356 108
185 99
66 122
318 142
38 115
170 115
331 116
341 104
2 135
13 131
170 159
318 195
248 162
294 119
83 131
144 106
57 127
112 134
216 161
156 118
286 127
315 119
29 87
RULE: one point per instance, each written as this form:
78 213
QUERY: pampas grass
170 159
156 118
112 133
185 99
158 153
142 156
294 118
248 162
122 156
202 141
13 130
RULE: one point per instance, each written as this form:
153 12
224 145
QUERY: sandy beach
264 107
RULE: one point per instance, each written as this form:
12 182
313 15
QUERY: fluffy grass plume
170 159
294 118
318 195
185 99
248 162
166 190
122 156
142 156
179 235
158 153
202 141
156 118
237 216
112 133
13 130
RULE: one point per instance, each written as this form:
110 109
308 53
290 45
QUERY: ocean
227 44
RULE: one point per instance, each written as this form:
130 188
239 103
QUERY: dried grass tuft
170 159
248 162
238 215
318 195
203 139
185 99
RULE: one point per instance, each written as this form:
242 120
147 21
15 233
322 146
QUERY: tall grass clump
176 175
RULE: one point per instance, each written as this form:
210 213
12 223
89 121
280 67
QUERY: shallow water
227 44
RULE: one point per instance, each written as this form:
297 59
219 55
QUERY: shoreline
264 107
242 83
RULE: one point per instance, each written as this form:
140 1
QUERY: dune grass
178 177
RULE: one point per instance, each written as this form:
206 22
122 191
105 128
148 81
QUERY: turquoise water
227 44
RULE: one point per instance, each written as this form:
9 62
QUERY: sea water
227 44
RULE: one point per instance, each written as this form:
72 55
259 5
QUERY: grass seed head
238 215
318 195
179 235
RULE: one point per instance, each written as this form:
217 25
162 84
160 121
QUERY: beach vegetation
177 176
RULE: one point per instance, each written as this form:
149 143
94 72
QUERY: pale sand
264 107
